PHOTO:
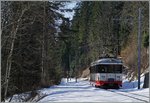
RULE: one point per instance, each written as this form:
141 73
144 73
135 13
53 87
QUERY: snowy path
82 91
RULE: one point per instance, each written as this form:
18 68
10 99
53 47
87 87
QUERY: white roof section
108 61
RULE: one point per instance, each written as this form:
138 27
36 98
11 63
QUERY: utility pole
139 47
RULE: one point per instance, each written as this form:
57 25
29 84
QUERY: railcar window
109 68
118 68
106 69
102 69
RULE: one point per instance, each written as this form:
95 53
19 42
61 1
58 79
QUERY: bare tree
13 33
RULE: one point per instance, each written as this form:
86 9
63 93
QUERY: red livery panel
101 83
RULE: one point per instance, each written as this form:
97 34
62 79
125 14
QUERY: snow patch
133 84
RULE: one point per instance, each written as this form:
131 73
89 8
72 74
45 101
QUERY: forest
37 50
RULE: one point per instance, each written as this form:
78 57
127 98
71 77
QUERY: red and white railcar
106 72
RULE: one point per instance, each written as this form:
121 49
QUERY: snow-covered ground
82 91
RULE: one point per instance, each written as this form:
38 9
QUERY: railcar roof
108 61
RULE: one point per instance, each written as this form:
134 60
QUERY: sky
69 6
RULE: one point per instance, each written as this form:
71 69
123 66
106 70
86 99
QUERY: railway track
139 97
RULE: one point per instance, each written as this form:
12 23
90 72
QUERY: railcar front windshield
106 69
109 68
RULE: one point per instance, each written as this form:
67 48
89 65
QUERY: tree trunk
44 45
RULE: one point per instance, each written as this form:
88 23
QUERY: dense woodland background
37 51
